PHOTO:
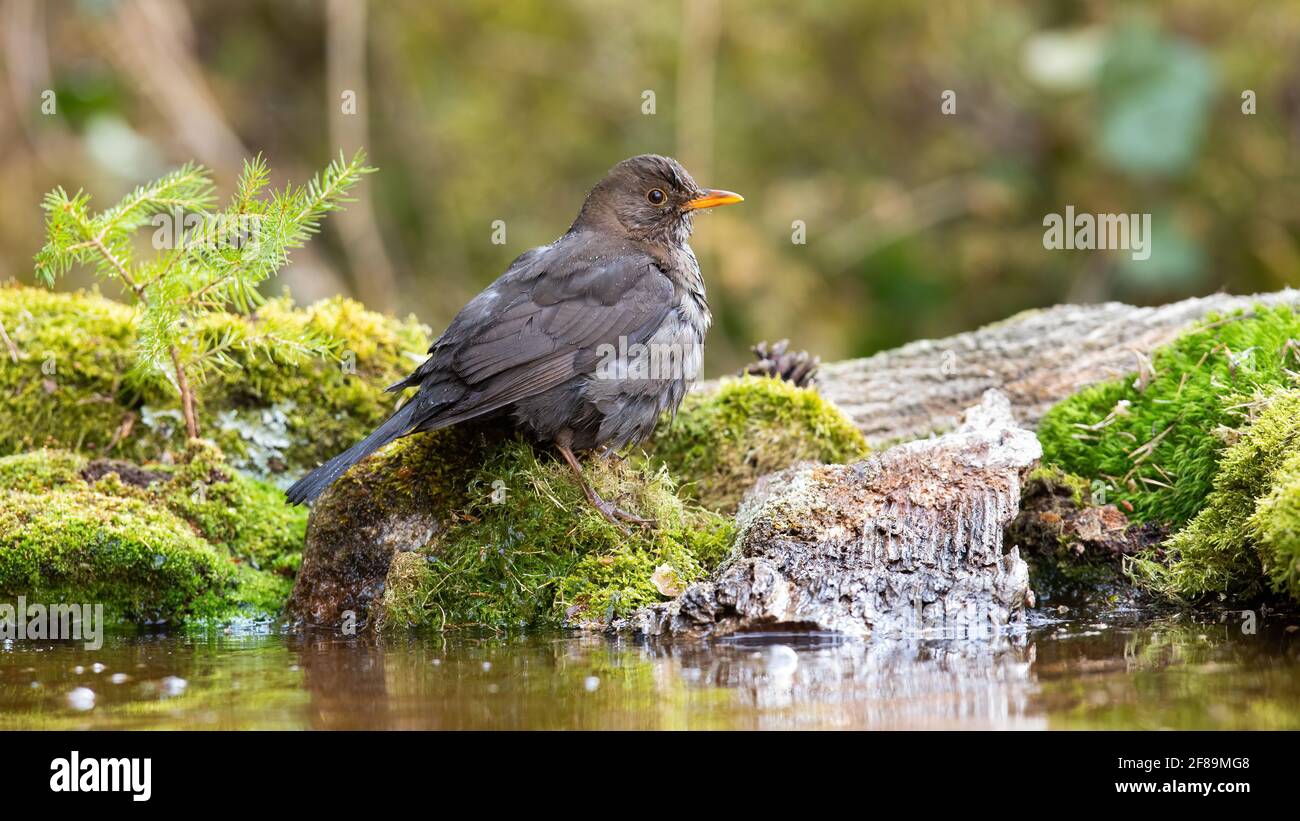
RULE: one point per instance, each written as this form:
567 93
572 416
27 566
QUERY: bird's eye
656 196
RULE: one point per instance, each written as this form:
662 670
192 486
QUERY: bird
582 344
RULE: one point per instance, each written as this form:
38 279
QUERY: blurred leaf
1155 95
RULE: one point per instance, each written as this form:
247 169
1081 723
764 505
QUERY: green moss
1242 543
247 518
431 472
266 414
166 543
1156 441
141 562
602 586
1200 443
525 548
723 440
1276 527
39 470
69 389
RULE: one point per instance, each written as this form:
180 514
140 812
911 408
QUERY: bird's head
652 198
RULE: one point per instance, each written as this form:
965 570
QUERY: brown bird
582 344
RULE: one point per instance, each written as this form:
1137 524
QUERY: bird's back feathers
535 328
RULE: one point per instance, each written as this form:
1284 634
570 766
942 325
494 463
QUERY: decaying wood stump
1036 358
907 540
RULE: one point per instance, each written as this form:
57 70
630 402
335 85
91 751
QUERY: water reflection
772 682
795 681
1120 670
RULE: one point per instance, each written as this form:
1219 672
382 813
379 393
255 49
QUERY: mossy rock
1155 439
542 556
156 544
70 388
473 527
1245 543
723 440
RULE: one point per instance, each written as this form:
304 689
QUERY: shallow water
1119 670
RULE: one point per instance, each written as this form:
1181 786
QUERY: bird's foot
616 515
613 514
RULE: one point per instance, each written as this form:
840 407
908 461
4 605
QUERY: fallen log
1037 358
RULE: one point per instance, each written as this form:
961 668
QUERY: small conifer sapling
204 261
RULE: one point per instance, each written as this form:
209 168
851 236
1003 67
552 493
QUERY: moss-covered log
70 386
1154 438
1196 443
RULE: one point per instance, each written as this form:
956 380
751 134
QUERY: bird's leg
615 515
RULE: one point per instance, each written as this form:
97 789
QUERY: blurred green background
918 223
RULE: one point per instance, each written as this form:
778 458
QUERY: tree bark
905 542
1037 358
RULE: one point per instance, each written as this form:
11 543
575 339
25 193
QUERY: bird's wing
536 327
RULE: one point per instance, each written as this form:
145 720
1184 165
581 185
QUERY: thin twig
98 242
187 395
123 431
1150 447
9 343
182 381
1154 482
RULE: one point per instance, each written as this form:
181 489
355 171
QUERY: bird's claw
617 516
612 513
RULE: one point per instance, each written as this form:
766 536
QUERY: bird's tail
314 484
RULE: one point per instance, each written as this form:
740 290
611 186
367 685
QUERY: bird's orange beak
713 198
